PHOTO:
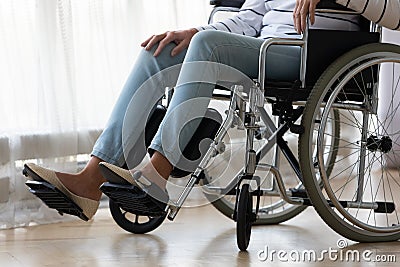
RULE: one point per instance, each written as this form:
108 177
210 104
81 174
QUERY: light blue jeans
195 83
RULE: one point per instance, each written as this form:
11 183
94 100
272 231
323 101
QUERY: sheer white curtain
62 65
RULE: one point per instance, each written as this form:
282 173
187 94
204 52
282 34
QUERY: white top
384 12
274 18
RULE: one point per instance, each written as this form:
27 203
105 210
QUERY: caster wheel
245 218
133 223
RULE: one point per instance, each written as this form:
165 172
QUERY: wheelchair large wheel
273 209
360 196
244 217
134 223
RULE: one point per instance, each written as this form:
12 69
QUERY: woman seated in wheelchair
233 42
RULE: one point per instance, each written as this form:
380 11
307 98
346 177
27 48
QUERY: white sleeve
384 12
248 21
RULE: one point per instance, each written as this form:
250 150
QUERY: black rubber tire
243 217
321 205
137 227
226 209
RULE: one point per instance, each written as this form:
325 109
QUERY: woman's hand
302 8
180 38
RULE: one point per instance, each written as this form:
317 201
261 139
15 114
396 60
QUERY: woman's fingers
180 38
296 16
183 40
179 48
168 38
303 18
300 12
313 6
148 44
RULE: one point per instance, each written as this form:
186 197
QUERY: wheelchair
333 117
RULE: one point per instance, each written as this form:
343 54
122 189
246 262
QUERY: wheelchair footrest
300 193
385 207
133 199
55 199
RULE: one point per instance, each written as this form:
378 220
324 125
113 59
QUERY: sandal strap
150 187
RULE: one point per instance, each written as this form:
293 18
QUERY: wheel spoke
360 196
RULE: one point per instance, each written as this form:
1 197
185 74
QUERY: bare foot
82 185
87 182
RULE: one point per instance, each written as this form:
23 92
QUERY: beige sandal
46 185
133 192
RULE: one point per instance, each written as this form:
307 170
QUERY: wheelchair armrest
227 3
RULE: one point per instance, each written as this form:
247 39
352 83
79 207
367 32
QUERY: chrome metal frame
272 131
255 111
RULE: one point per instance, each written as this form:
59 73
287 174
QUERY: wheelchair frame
245 112
255 102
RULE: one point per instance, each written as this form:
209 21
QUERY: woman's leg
190 100
109 145
198 78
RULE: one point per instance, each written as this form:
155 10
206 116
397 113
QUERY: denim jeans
212 57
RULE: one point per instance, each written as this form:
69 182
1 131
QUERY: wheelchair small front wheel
244 217
133 223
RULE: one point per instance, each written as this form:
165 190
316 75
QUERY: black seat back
325 46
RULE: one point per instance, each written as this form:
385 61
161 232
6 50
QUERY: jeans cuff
106 158
155 147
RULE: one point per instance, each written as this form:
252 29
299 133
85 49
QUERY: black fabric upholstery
324 4
330 4
326 46
227 3
197 145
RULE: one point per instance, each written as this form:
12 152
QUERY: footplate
55 199
132 199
